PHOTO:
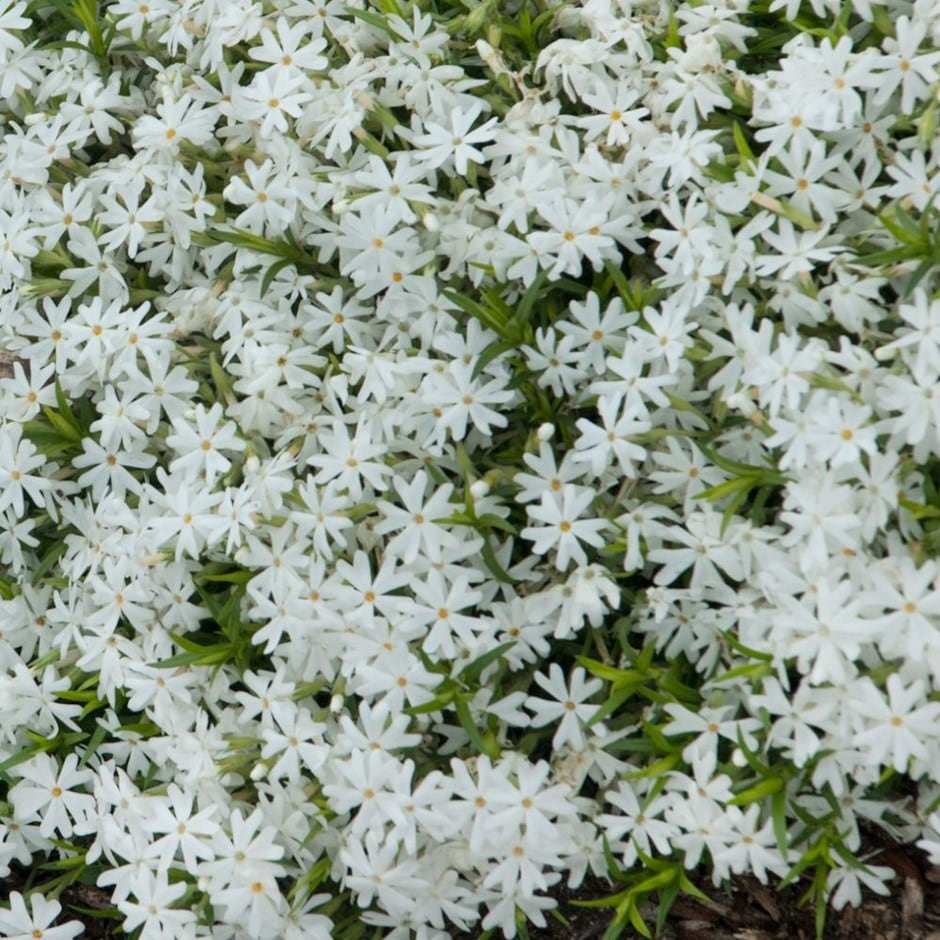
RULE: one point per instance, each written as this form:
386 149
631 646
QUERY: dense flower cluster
443 453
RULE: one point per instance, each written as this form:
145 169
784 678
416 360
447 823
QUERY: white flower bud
738 758
545 432
336 704
742 402
479 489
259 772
430 222
252 465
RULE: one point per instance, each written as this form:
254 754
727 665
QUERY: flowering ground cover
453 450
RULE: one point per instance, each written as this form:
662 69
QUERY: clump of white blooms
445 454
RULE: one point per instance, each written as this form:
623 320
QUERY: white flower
373 872
896 730
567 703
455 142
18 923
562 528
152 910
51 794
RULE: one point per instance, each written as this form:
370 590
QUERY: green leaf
615 928
534 293
741 143
472 671
490 354
238 576
732 487
440 701
667 898
610 673
778 815
26 753
919 510
639 925
613 900
658 769
55 551
619 695
493 565
465 718
758 792
494 319
372 19
97 736
272 273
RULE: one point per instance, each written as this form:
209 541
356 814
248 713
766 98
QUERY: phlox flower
188 834
461 398
749 846
352 460
438 607
522 868
199 448
637 825
549 477
709 724
415 522
372 873
614 114
568 703
845 884
920 339
828 639
840 431
898 729
283 48
597 333
578 230
528 802
905 65
19 923
554 357
188 518
152 908
18 459
559 526
794 253
705 550
268 198
52 794
175 121
442 144
598 445
249 855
